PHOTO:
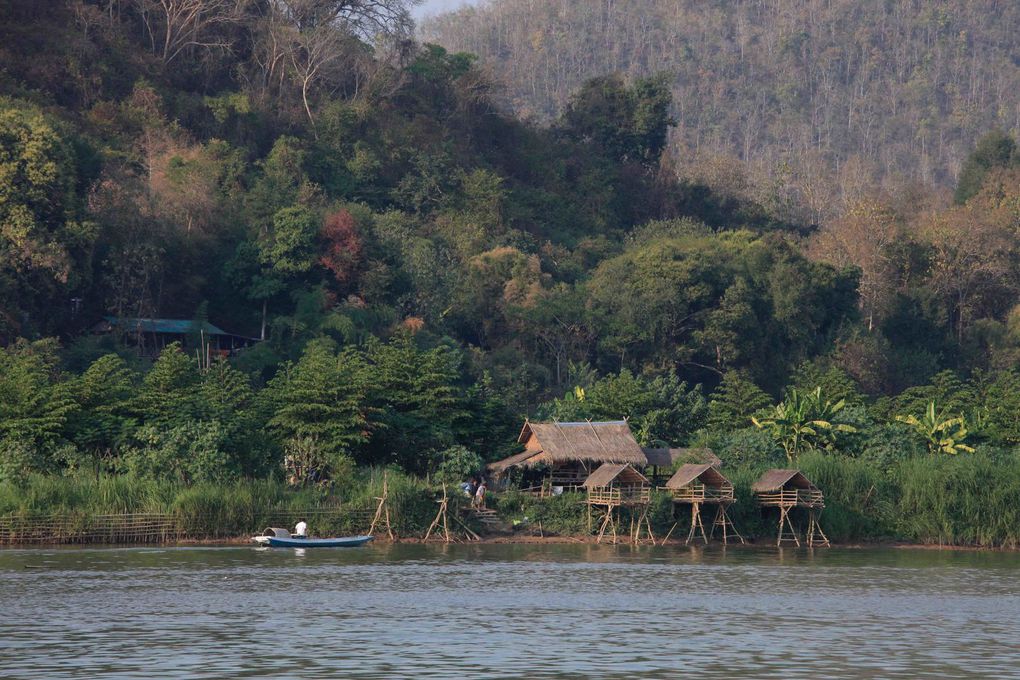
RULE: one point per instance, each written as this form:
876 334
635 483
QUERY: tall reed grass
965 500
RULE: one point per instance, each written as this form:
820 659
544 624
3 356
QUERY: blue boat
342 542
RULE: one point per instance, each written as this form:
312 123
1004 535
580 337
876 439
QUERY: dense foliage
424 270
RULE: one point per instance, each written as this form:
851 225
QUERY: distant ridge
902 88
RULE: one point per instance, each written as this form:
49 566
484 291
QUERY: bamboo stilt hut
786 490
616 485
697 485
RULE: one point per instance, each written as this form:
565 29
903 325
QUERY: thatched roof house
573 450
789 488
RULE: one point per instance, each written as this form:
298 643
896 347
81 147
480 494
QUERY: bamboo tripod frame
643 524
815 535
441 521
722 520
608 521
784 523
382 511
725 524
787 532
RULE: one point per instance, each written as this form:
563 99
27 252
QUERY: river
502 611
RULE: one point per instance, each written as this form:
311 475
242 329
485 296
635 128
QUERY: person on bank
480 496
301 529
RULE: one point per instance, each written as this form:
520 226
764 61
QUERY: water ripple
508 611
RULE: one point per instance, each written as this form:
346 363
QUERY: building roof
608 472
501 466
600 442
660 457
776 479
169 326
704 472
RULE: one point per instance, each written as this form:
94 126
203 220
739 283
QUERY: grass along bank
971 500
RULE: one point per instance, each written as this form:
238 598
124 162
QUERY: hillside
397 270
848 91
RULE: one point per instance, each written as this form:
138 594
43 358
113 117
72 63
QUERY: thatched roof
609 472
705 473
501 466
604 442
774 480
668 457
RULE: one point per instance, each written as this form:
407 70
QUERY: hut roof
661 457
517 459
608 472
776 479
691 471
604 442
168 326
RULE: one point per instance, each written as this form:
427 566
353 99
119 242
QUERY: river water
501 611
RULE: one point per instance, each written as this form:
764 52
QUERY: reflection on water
532 611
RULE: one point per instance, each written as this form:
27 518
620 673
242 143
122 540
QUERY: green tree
833 380
804 421
418 404
34 407
170 390
456 464
103 395
995 150
42 238
289 248
321 396
188 452
734 401
626 123
941 434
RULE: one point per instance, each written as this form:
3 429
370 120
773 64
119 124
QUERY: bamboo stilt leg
696 524
440 519
382 511
648 527
722 519
815 528
784 520
607 519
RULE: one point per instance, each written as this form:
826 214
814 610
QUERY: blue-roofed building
152 335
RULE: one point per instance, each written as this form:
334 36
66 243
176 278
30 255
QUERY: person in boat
479 501
301 529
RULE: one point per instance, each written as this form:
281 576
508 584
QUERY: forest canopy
413 269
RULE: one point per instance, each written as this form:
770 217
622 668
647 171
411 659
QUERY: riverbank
525 539
970 502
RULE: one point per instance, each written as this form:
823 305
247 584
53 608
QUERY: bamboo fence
155 527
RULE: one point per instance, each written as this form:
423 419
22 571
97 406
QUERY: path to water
549 611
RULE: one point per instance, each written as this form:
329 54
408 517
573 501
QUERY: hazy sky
430 7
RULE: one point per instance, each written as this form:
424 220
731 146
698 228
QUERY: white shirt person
301 529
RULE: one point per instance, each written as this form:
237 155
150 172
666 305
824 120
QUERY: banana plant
941 434
804 421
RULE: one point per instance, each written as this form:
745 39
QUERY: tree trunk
265 307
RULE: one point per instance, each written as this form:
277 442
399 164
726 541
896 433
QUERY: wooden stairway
490 521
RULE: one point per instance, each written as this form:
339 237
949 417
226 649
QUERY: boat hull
343 542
